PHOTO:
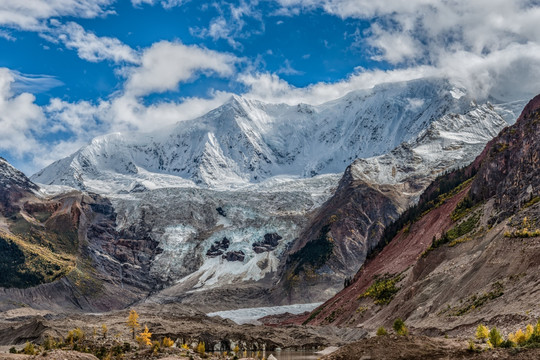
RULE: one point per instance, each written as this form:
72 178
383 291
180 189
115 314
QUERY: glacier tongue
250 315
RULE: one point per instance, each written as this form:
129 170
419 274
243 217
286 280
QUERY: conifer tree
144 338
133 322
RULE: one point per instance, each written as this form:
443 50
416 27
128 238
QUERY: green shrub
382 290
495 337
507 344
400 328
29 349
531 202
315 253
462 208
381 331
457 231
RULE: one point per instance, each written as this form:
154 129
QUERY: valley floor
389 347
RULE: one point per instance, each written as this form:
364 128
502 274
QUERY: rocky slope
181 323
56 251
467 253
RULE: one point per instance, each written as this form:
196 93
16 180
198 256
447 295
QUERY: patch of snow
327 351
250 315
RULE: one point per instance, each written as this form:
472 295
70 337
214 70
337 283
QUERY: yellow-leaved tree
519 337
144 338
104 331
529 330
167 342
133 322
482 332
201 348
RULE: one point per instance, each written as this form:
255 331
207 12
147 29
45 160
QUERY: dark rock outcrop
269 243
234 256
218 248
338 238
509 167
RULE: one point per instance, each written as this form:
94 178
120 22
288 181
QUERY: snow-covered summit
11 177
247 141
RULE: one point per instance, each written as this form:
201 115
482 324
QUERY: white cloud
6 35
400 27
29 14
489 46
393 46
167 4
165 64
91 47
33 83
161 67
19 117
287 69
271 88
231 24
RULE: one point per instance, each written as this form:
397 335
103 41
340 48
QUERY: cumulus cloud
487 46
89 46
165 64
271 88
400 28
29 15
85 120
19 116
161 67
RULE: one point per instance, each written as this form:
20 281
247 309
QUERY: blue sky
71 70
308 48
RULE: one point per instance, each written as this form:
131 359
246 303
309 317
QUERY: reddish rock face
507 179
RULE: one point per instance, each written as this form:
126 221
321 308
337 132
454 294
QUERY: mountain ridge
247 141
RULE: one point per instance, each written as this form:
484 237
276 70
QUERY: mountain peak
10 176
531 107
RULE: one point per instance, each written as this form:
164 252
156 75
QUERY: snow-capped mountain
226 196
449 141
247 141
11 177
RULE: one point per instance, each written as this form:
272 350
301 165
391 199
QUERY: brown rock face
14 185
510 164
338 239
64 252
